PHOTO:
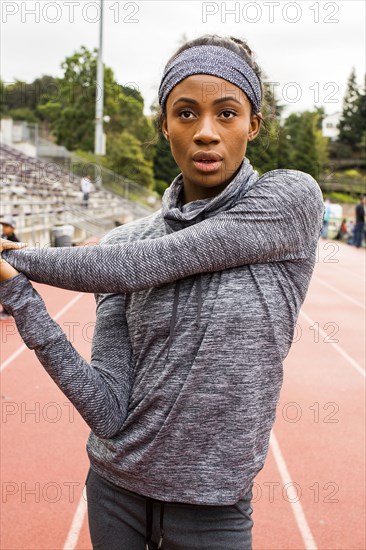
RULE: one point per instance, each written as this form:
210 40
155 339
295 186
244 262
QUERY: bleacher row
40 194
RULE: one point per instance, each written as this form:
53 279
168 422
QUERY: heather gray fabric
184 418
216 61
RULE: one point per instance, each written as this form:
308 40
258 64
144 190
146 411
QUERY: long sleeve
99 391
279 219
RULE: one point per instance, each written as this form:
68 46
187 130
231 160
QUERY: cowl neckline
178 216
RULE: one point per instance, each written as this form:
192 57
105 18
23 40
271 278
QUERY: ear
164 128
255 126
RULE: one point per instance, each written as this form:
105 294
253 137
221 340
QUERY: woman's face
208 125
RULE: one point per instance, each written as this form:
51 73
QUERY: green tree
21 95
165 167
125 157
306 148
361 118
350 131
71 115
263 152
3 106
285 147
71 110
23 113
125 106
305 155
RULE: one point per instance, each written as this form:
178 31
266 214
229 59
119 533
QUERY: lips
207 161
206 156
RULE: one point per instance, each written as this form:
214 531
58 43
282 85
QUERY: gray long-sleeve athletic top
196 311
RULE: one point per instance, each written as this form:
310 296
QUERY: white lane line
12 357
23 347
292 495
76 524
334 289
337 347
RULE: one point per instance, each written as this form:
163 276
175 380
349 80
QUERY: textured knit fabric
216 61
196 311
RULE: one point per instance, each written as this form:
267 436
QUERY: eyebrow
215 102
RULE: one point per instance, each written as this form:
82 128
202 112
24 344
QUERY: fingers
8 245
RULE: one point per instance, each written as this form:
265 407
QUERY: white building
24 137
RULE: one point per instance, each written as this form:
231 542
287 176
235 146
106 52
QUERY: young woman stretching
196 310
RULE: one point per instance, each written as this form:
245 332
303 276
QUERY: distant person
324 232
85 185
9 225
360 223
343 230
351 231
8 233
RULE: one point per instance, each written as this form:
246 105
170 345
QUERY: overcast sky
307 47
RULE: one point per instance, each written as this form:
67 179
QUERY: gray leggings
123 520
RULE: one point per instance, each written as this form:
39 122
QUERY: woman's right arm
279 219
99 390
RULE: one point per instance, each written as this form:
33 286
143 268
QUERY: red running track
310 494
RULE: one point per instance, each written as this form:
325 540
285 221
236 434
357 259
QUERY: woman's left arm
279 219
99 390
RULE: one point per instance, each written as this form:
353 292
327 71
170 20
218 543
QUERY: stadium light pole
99 98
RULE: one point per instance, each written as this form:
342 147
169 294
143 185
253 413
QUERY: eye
228 112
185 112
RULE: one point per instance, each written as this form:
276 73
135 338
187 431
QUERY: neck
193 193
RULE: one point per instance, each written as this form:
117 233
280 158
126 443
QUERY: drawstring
149 514
161 524
149 521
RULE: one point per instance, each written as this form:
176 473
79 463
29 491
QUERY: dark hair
236 45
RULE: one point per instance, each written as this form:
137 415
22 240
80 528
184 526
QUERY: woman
343 231
196 310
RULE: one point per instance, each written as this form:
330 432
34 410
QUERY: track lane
317 451
320 421
44 467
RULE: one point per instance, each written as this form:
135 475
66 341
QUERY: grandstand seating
41 195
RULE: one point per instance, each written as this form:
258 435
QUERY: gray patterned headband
216 61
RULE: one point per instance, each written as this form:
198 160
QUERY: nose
206 131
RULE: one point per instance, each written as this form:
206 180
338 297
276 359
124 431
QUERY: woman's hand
5 244
6 270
